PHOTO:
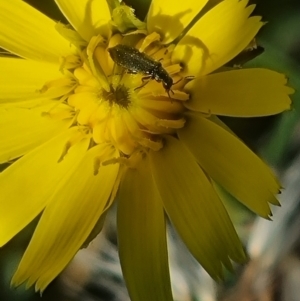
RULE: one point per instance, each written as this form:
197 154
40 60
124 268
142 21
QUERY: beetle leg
145 81
146 78
168 92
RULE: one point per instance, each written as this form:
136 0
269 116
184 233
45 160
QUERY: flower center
128 94
119 96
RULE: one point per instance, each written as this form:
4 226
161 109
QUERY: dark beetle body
135 61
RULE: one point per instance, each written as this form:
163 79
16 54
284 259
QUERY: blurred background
273 272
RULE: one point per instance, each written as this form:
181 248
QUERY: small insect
136 62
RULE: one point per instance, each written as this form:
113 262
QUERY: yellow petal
27 184
23 129
170 17
194 208
120 135
23 79
89 18
70 215
96 230
240 93
231 164
28 33
142 237
217 37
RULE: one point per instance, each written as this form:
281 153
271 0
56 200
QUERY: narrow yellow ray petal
24 79
142 237
89 18
240 93
120 135
231 164
194 208
96 230
217 37
27 184
175 14
28 33
76 205
23 129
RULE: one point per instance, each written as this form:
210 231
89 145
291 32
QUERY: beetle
136 62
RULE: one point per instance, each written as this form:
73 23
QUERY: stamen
58 87
65 151
130 162
97 164
69 62
72 141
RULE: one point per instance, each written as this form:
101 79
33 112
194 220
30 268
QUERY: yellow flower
81 131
